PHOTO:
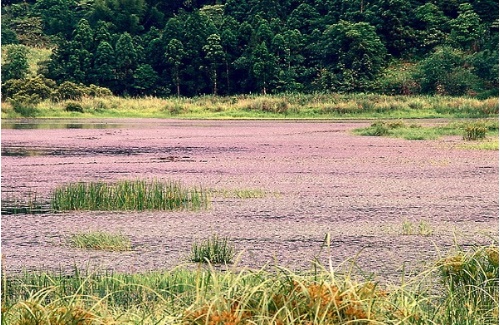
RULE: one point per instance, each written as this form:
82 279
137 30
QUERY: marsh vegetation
461 287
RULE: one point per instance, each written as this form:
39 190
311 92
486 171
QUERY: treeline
193 47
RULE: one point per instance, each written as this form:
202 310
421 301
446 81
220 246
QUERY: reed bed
461 288
293 105
139 195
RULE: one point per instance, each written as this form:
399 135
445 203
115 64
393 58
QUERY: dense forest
194 47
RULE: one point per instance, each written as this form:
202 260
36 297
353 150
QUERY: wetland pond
317 177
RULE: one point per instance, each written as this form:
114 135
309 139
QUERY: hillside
190 48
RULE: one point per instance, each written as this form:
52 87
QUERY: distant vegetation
180 48
470 131
91 102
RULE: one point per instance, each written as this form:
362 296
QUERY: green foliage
68 90
24 105
15 64
470 130
34 88
466 29
175 54
190 48
213 250
354 53
445 73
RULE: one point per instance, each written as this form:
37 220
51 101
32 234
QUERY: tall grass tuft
475 131
214 250
136 195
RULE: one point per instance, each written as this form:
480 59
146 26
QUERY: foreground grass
461 288
311 106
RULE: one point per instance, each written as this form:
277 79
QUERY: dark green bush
96 91
69 90
73 107
38 86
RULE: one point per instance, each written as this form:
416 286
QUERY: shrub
270 105
69 90
378 129
96 91
73 107
36 86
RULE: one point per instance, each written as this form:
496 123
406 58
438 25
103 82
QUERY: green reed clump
214 250
100 240
136 195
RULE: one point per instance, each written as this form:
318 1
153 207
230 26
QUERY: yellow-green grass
460 288
301 106
100 240
246 193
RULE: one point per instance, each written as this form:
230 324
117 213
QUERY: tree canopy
152 47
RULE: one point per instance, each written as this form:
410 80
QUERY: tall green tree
434 26
81 49
354 53
15 64
59 16
126 62
214 54
175 54
124 15
263 67
445 72
466 29
104 65
145 78
392 21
